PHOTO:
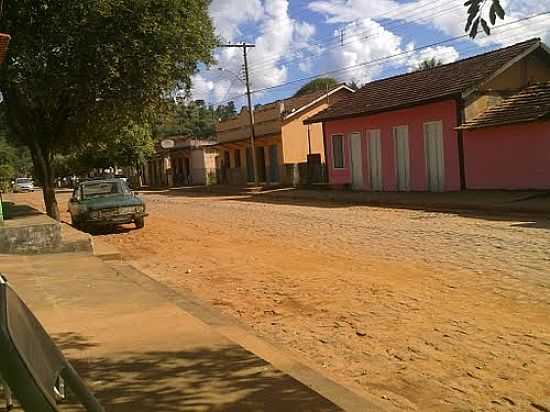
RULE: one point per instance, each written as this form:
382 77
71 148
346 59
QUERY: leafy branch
476 19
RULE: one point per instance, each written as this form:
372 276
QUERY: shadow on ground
105 230
519 219
227 378
12 210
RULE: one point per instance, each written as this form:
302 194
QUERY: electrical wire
384 59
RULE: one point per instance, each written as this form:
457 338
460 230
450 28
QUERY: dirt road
426 311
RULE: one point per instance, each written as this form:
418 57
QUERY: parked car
106 202
23 184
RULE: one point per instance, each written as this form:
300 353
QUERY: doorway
434 153
375 160
356 161
260 157
249 165
273 164
402 160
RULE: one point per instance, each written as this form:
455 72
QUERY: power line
435 44
381 60
337 39
366 35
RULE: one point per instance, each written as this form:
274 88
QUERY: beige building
284 145
183 161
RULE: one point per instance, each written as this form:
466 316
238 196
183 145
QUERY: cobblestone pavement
427 311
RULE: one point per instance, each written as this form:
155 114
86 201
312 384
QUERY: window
226 157
338 151
107 188
237 154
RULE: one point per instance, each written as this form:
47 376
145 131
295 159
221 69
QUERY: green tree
476 19
323 83
429 63
353 85
227 111
192 119
130 146
78 70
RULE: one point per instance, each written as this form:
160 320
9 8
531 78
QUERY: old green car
106 202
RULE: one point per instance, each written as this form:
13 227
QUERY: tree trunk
42 165
48 190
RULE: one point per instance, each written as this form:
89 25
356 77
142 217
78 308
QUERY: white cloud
445 54
286 46
228 15
447 16
276 33
346 11
365 41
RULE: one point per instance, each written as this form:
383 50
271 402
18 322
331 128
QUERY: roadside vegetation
80 75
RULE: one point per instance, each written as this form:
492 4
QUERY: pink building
404 133
508 146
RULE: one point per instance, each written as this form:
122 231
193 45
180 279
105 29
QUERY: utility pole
245 47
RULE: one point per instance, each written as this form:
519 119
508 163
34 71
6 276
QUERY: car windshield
23 180
99 189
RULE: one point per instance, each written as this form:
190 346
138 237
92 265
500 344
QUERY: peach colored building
283 142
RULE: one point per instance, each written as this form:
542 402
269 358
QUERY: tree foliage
15 160
78 70
323 83
130 146
476 17
354 85
429 63
193 119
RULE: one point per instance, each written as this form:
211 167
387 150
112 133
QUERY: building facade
188 161
508 146
404 133
283 143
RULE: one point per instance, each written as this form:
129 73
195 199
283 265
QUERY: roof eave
504 123
319 99
505 67
387 109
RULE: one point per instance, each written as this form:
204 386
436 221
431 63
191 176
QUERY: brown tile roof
295 103
4 42
530 104
422 86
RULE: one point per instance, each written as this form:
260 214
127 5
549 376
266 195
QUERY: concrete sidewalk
496 202
142 347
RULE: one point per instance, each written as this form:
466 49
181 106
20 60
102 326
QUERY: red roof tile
422 86
530 104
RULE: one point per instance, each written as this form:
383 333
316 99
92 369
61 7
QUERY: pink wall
508 157
414 118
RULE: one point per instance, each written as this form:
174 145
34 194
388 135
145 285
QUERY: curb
342 396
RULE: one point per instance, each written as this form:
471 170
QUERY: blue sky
297 39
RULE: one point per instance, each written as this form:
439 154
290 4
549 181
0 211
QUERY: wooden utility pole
245 47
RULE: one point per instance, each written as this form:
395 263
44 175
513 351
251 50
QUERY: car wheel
140 222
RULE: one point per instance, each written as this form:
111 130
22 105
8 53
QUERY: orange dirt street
426 311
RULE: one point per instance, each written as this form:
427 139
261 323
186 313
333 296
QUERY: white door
375 159
402 161
356 161
435 160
